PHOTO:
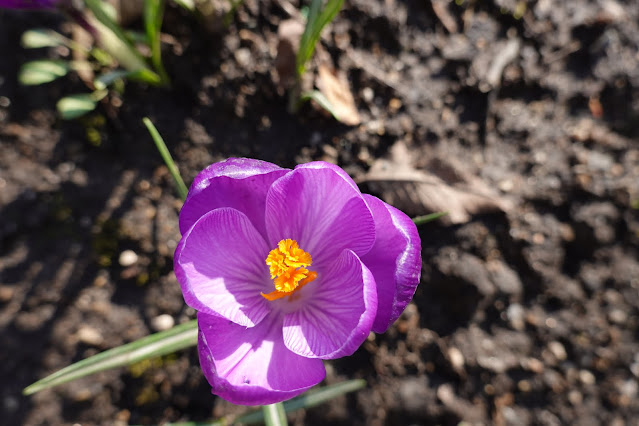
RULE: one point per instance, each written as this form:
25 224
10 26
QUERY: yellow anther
287 265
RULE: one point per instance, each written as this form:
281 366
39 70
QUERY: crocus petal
333 167
322 211
395 261
239 183
252 366
336 313
220 265
28 4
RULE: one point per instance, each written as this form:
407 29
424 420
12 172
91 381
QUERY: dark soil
525 315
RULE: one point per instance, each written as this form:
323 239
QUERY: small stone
533 364
368 94
445 393
492 363
162 322
516 316
617 316
524 386
558 350
243 56
6 293
456 358
575 397
629 388
586 377
506 185
128 258
89 335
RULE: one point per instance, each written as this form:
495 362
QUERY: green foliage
116 46
153 12
77 105
274 415
318 18
158 344
37 38
321 100
420 220
42 71
166 156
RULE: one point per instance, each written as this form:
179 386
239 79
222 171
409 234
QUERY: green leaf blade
318 18
180 337
74 106
153 13
420 220
166 156
38 72
40 37
274 415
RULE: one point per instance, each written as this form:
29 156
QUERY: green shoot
179 337
318 18
274 415
166 156
420 220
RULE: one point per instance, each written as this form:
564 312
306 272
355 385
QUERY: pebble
533 364
6 293
243 56
586 377
89 335
629 388
127 258
516 316
575 397
492 363
456 358
617 316
445 393
162 322
368 94
558 350
524 386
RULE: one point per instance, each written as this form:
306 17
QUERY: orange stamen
287 265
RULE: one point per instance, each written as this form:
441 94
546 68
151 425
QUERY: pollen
287 264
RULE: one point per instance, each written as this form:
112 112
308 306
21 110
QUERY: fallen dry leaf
445 186
337 90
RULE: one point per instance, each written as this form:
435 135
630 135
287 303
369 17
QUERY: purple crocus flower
29 4
287 268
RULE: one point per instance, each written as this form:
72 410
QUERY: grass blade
115 41
420 220
321 100
318 18
274 415
158 344
166 156
153 12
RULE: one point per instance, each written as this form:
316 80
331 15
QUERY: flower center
287 264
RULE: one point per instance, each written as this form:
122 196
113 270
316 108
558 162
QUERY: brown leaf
337 90
445 186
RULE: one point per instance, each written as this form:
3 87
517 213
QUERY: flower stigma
287 264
